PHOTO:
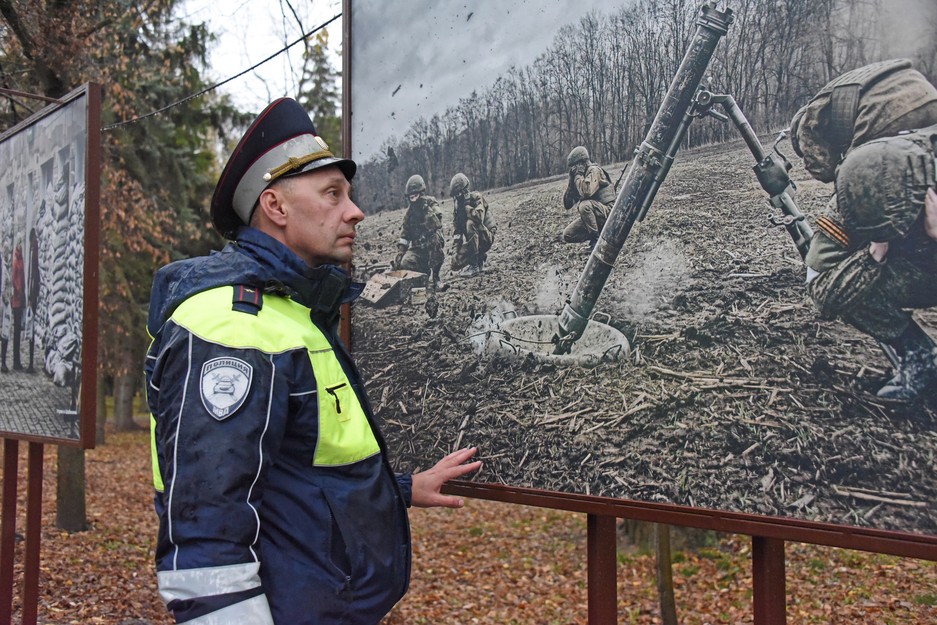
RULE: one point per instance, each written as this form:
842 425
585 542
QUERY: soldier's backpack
877 100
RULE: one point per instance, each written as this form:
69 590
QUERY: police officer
275 496
874 255
474 227
590 191
421 245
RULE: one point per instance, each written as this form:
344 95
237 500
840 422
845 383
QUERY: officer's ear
272 206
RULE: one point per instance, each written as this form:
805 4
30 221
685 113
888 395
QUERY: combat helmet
579 154
458 185
870 102
415 184
881 185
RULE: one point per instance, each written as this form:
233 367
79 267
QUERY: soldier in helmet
591 192
474 227
865 258
874 256
421 244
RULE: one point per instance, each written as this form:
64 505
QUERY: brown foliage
489 563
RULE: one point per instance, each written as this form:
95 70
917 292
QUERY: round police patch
224 386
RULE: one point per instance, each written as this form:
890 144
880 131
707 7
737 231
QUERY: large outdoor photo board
49 190
729 395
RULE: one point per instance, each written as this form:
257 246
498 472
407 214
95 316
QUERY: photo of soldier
34 282
591 193
474 228
5 313
421 244
873 256
18 300
729 391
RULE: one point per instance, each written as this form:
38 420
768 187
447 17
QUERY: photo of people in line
42 217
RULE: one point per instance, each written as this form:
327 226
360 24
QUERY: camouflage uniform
591 192
474 227
421 243
870 102
880 191
830 132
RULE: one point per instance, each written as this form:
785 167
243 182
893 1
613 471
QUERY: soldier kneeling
874 256
474 227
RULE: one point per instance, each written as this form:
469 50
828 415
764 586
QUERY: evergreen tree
157 173
320 92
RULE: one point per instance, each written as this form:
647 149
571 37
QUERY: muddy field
734 395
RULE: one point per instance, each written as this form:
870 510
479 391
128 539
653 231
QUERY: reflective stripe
281 325
215 580
345 435
254 611
157 476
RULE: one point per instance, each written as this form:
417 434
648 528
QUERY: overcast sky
249 31
418 57
438 51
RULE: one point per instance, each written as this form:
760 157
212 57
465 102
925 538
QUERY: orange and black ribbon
833 230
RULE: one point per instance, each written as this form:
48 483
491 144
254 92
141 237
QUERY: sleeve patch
224 386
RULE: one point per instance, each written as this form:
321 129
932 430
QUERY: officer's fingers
462 469
444 501
457 457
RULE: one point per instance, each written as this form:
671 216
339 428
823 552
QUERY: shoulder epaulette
247 299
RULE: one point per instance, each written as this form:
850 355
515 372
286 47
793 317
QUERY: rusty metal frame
87 394
87 400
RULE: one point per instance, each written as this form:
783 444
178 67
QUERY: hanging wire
223 82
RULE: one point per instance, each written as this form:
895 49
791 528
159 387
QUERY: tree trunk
668 607
124 391
100 410
70 490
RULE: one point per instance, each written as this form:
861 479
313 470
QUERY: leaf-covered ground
488 564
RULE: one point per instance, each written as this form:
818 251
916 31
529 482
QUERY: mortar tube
649 159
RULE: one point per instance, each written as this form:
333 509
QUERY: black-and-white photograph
655 251
42 239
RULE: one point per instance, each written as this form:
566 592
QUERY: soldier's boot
917 370
436 280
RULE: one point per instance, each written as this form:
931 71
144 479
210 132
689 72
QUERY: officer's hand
427 484
930 213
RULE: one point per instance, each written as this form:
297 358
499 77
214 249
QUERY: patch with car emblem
224 385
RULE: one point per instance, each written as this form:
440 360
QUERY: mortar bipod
771 172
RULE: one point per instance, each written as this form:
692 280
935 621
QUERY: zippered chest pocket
345 435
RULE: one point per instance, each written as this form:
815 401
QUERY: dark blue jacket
275 497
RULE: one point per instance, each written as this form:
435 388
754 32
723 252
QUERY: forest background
158 173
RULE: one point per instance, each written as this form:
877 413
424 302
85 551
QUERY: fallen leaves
487 564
